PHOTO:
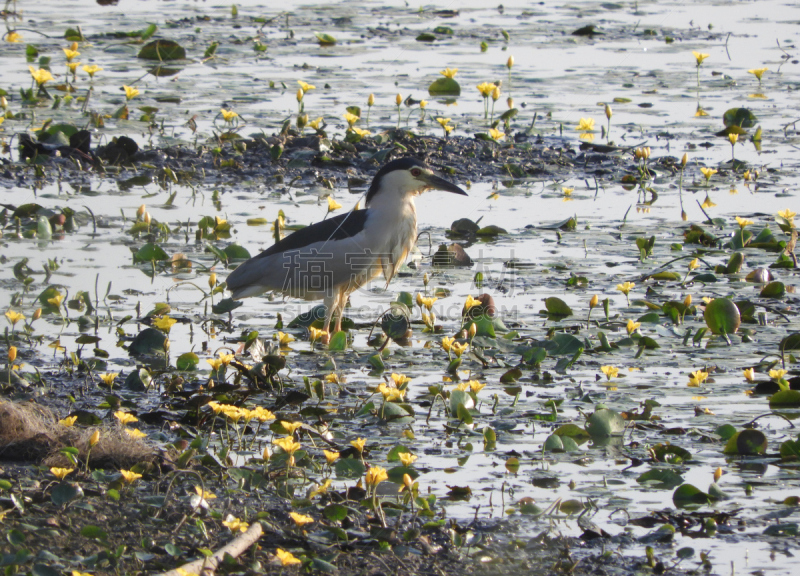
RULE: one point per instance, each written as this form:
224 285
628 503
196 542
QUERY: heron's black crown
399 164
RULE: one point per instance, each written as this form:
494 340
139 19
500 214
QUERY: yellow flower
743 222
458 349
283 339
301 519
594 301
496 134
408 483
165 323
228 115
316 333
758 72
688 300
423 104
330 457
390 394
608 111
61 473
375 475
567 191
700 57
400 379
235 525
41 76
351 118
625 287
708 172
707 203
322 489
125 417
129 476
609 371
443 121
358 444
371 100
300 94
407 458
12 353
777 374
427 301
700 112
510 62
447 343
496 93
360 131
398 99
305 87
585 124
68 421
697 378
70 54
130 92
787 215
316 123
262 414
135 433
204 494
475 386
215 363
14 316
91 70
632 326
94 438
749 374
287 558
449 72
486 89
733 138
73 66
108 378
291 427
333 204
13 37
694 264
471 302
287 444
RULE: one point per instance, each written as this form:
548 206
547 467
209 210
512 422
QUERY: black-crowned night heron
332 258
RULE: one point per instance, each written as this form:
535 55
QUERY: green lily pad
773 290
444 86
557 307
722 316
604 423
746 443
687 495
741 117
162 50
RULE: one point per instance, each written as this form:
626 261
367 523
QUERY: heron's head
406 176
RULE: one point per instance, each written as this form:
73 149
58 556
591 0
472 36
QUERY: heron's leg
341 303
330 302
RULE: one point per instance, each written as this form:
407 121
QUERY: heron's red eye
415 172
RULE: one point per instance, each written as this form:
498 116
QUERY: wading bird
332 258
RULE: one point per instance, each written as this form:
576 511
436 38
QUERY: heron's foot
325 338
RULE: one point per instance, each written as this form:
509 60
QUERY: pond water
558 77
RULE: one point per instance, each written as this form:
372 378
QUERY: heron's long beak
434 181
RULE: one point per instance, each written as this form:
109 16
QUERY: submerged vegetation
148 420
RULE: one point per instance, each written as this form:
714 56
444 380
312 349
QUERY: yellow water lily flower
131 92
61 473
625 287
496 134
778 374
41 76
787 215
407 458
165 323
749 374
91 70
476 386
333 204
330 457
743 222
291 427
235 525
125 417
757 72
283 339
360 131
375 475
459 349
733 138
300 519
486 89
316 123
399 379
215 363
358 444
68 421
449 72
108 378
287 558
13 37
694 264
697 378
315 333
707 172
585 124
13 316
94 438
389 393
305 86
228 115
427 301
609 371
73 67
351 118
423 104
70 54
471 302
129 476
632 326
447 343
700 57
444 121
135 433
